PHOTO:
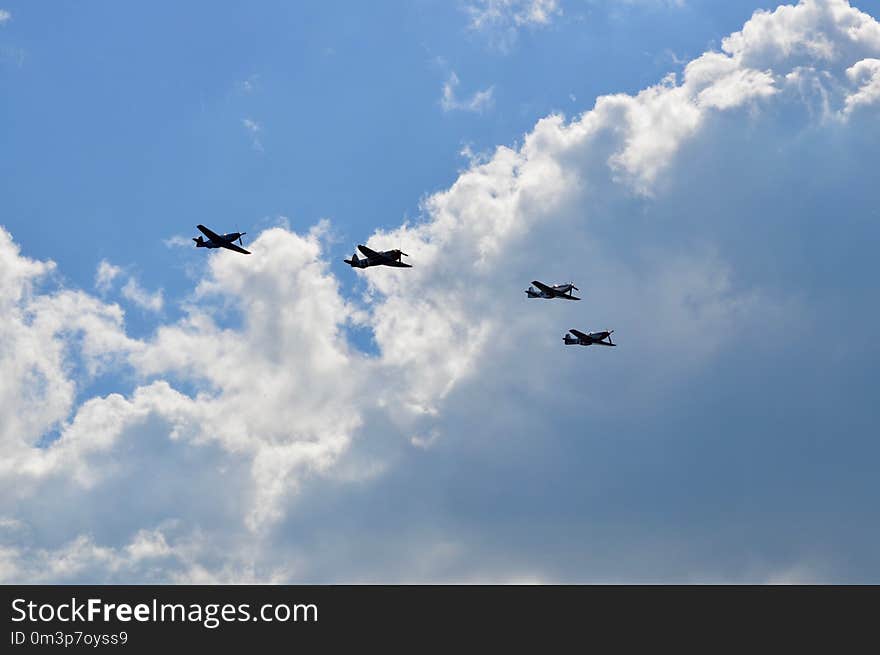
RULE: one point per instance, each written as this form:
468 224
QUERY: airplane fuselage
388 258
366 263
591 338
201 242
559 291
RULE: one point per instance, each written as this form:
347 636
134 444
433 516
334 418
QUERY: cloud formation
478 102
486 13
106 275
134 292
502 20
256 443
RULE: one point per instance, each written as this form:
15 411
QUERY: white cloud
254 409
866 75
134 292
5 16
105 275
486 13
254 129
178 241
814 32
502 20
478 102
45 336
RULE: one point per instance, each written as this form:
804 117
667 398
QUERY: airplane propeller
240 235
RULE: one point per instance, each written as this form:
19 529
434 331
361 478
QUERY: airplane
217 241
581 339
554 291
373 258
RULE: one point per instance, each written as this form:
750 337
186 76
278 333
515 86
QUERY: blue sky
133 115
284 418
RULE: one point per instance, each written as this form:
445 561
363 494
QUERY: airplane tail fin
198 241
354 261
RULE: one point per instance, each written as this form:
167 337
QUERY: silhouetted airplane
220 241
552 291
581 339
373 258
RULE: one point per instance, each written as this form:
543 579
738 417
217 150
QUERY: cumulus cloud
478 102
256 443
46 337
865 75
5 16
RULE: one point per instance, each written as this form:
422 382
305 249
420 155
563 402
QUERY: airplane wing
546 289
211 235
580 335
234 247
369 253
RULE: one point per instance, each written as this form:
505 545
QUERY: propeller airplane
220 240
552 291
373 258
583 339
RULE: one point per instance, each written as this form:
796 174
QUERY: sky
703 172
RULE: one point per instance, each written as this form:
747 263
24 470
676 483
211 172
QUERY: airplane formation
394 258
